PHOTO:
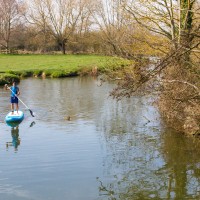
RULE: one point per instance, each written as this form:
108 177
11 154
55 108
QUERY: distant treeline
72 26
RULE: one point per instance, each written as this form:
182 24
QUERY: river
83 145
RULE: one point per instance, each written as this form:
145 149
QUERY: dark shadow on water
15 139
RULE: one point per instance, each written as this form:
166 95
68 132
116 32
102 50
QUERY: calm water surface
108 150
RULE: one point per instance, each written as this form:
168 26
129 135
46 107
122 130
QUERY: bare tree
60 18
38 20
175 20
112 23
9 18
178 70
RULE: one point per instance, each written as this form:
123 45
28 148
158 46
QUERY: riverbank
15 67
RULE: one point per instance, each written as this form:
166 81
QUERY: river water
83 145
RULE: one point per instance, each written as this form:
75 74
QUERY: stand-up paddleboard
13 124
14 117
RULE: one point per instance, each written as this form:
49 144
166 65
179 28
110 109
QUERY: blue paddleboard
14 117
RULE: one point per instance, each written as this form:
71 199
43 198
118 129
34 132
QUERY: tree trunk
7 47
62 45
185 25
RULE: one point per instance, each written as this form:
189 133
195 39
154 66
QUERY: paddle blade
31 112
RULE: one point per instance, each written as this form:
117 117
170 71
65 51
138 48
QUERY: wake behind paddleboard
14 116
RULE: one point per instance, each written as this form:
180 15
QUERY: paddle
31 112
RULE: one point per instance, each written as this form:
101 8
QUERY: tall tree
60 18
110 19
178 22
38 20
172 19
9 18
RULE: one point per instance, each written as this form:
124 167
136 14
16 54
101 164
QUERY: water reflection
145 161
183 164
132 147
13 124
32 124
15 138
121 143
152 169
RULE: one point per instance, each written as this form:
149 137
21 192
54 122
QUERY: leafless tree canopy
9 16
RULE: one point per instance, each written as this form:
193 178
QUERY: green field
55 62
14 67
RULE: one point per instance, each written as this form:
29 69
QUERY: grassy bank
55 66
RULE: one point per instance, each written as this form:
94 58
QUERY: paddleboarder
13 96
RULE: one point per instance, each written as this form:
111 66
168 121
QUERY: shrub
13 72
48 72
6 78
37 72
25 73
70 74
58 74
84 71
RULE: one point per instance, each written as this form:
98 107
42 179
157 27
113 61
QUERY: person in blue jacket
13 96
